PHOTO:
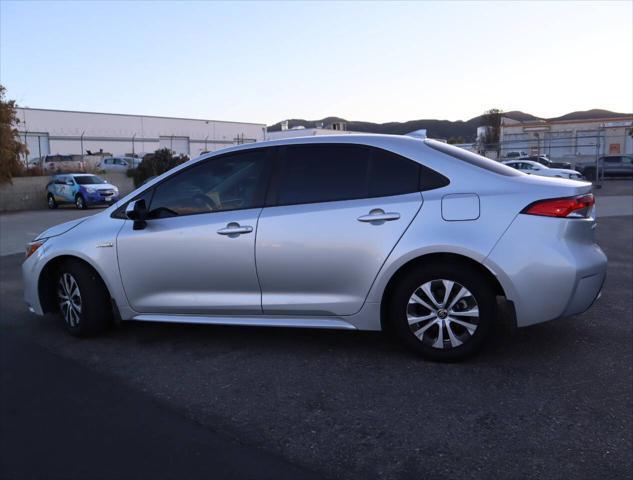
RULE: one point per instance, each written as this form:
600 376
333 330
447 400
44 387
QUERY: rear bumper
549 267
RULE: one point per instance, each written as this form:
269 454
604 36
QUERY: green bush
155 164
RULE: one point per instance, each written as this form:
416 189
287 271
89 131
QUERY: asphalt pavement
60 420
553 401
17 228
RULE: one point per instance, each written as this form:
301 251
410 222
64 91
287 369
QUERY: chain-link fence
580 148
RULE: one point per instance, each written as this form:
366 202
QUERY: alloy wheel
79 202
69 298
443 314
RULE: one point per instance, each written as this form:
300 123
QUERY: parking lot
550 401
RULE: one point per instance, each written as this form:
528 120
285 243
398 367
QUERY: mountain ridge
466 129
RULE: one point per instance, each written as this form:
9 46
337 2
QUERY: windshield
88 180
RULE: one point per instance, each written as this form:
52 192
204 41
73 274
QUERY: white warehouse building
67 132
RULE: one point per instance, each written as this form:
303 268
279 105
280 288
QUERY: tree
10 145
156 164
454 140
492 119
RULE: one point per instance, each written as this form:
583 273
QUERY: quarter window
231 182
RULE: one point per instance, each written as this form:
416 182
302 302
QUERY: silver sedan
356 232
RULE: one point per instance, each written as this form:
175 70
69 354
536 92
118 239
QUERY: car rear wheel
50 201
80 203
83 299
443 312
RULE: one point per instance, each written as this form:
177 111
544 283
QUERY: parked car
82 189
63 163
609 166
536 168
544 160
118 164
513 155
354 232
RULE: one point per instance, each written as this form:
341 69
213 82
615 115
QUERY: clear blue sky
267 61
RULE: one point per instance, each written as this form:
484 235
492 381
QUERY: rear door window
322 173
392 174
335 172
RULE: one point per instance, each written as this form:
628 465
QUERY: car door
627 165
120 165
611 165
71 189
64 188
58 188
339 210
196 254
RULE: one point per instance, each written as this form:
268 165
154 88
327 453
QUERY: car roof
369 139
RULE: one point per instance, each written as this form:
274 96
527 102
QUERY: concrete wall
29 193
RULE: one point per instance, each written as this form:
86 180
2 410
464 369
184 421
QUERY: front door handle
378 215
235 228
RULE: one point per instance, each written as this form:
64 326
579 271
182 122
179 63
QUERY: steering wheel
208 201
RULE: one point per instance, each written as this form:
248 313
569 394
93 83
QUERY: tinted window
612 159
392 174
472 158
323 173
230 182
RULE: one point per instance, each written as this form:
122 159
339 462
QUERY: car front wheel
83 299
50 201
443 312
80 203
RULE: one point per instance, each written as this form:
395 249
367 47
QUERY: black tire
483 295
50 201
80 202
589 173
95 313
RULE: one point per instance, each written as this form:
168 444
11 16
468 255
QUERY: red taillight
573 207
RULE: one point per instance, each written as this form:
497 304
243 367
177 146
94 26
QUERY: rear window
473 158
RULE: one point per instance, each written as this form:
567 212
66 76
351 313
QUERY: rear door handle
234 228
379 215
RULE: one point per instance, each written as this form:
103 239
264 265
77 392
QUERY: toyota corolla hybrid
357 232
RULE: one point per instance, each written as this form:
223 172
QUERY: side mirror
136 210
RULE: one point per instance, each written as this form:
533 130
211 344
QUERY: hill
438 128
